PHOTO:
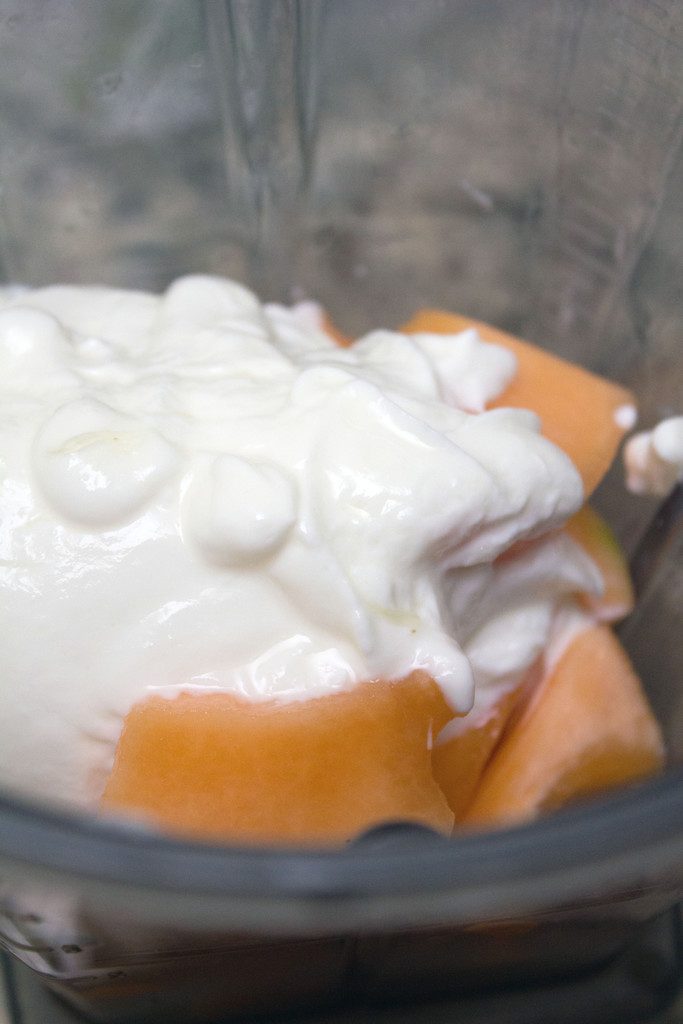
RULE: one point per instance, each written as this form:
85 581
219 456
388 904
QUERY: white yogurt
653 459
201 492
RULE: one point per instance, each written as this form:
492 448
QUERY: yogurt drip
198 491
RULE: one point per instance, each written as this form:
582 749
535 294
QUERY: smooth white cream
199 491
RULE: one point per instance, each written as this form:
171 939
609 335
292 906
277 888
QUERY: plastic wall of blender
449 140
118 921
500 161
111 164
640 985
124 972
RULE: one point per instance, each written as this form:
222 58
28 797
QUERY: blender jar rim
624 828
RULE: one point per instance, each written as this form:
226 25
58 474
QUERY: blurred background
519 162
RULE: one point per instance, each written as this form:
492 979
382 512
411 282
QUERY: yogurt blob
653 459
198 491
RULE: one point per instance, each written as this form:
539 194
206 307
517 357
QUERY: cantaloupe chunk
212 766
592 533
588 727
578 409
458 762
331 329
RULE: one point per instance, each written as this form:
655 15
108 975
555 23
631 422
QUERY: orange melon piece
331 329
592 533
588 727
577 408
212 766
458 763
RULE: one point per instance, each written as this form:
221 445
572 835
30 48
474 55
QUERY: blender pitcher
516 161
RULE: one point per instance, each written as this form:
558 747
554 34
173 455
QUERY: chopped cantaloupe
587 727
579 410
331 329
592 533
458 762
212 766
215 767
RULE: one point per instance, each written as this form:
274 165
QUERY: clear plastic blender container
516 161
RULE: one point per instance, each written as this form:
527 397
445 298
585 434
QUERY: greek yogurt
198 491
654 458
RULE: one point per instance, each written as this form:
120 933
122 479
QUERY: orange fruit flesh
331 329
322 770
587 728
576 408
592 533
459 762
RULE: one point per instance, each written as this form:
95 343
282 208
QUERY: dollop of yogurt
198 491
653 459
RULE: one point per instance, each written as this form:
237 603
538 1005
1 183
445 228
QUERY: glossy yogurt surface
200 491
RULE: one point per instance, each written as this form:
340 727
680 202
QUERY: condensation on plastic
519 161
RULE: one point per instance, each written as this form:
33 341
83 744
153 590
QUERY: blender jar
516 161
